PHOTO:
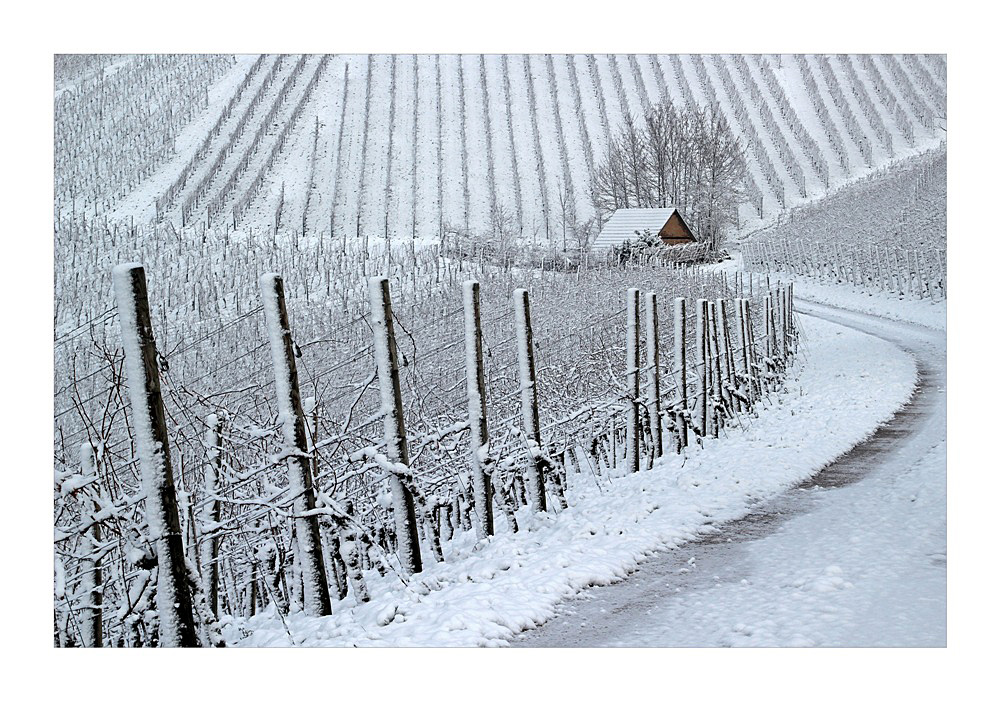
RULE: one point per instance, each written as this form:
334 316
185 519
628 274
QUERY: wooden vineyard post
744 359
883 257
92 581
894 273
793 334
211 512
924 275
253 589
729 371
653 362
772 321
768 333
782 299
909 272
941 272
529 395
407 542
715 354
632 430
475 381
701 361
750 352
173 593
918 273
680 368
300 481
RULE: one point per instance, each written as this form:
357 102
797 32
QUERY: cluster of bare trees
689 159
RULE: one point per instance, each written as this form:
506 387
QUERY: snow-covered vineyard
413 146
329 369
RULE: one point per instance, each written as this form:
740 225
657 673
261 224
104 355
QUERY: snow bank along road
854 556
487 592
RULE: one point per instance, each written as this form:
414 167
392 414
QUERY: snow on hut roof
624 224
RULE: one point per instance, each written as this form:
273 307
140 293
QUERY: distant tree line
688 159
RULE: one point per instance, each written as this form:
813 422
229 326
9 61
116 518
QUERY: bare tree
567 211
585 232
688 159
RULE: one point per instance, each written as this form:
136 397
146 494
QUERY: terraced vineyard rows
494 145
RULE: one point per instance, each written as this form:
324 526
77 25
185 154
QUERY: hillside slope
410 146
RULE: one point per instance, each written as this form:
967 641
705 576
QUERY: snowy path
852 557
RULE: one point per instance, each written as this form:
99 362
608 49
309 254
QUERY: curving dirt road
854 556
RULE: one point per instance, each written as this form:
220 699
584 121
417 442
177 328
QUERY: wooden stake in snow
173 594
751 353
772 337
722 339
743 354
292 418
791 315
535 479
632 430
475 380
715 355
768 337
92 580
407 540
783 294
701 360
210 513
680 369
653 363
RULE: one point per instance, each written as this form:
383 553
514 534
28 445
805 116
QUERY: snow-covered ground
925 312
485 593
854 557
881 303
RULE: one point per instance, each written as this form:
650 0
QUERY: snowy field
513 582
928 313
230 177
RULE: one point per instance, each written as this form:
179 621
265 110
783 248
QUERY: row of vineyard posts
731 375
915 272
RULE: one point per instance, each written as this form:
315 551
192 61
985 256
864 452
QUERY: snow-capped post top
124 277
275 317
267 280
122 269
87 466
375 287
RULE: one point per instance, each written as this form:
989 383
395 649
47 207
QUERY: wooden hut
627 224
